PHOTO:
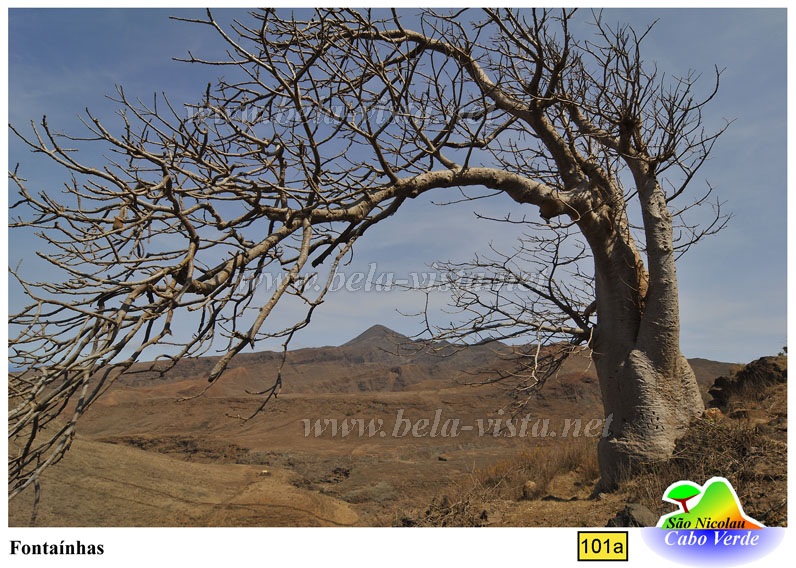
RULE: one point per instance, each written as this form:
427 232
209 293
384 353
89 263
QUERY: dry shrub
466 510
541 465
754 463
466 502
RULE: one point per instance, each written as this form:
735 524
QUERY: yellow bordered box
602 545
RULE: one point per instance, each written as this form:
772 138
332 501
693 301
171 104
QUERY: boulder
529 490
753 377
634 515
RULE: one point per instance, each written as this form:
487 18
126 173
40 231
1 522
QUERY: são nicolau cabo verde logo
710 526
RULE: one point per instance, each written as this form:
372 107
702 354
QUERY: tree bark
649 409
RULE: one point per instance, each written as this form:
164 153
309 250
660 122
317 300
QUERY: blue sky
732 286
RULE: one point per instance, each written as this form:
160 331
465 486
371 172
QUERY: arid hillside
378 431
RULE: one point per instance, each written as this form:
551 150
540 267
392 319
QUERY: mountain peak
377 334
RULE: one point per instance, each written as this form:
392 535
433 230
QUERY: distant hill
707 371
378 360
378 335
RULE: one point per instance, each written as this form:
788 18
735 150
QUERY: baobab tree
324 126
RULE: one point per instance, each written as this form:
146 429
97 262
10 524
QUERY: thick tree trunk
649 408
649 390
